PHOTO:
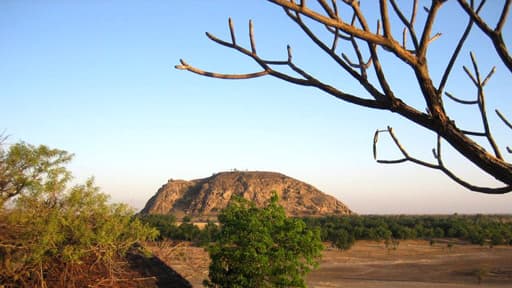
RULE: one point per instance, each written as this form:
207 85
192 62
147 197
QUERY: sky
97 79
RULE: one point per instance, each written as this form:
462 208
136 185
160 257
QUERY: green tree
343 240
208 234
27 168
261 247
165 224
50 231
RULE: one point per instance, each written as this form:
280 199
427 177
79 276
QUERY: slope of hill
206 197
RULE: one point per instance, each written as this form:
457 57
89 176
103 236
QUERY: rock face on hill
206 197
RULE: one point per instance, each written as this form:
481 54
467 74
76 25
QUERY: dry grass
371 265
414 264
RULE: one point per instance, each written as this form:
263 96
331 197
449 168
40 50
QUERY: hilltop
207 196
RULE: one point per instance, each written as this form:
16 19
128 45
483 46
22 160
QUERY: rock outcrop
206 197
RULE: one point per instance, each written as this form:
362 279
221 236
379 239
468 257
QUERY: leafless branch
456 52
232 31
357 32
460 101
361 65
381 77
425 37
307 79
482 105
405 154
362 34
409 24
439 166
503 17
502 117
186 66
251 37
346 67
451 175
434 38
494 34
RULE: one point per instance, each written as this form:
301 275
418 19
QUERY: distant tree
360 52
342 239
438 232
166 224
261 247
208 234
188 231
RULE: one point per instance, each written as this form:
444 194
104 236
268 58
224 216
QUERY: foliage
165 224
51 234
186 231
261 247
478 229
25 167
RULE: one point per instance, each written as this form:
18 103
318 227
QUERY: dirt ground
414 264
371 264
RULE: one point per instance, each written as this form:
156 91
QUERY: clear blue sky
96 78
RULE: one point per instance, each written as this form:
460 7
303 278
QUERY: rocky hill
206 197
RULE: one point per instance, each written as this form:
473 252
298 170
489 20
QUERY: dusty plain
369 264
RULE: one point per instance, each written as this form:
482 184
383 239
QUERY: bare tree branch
451 175
251 37
361 78
494 34
439 166
406 155
377 39
456 52
481 103
409 24
502 117
460 101
186 66
356 32
425 37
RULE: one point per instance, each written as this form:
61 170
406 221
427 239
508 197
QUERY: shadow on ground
155 273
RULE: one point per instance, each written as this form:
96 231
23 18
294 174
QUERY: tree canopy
53 233
261 247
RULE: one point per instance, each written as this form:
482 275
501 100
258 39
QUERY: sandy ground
370 264
414 264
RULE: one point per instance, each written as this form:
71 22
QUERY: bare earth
370 264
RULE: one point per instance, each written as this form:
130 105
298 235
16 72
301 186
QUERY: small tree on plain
261 247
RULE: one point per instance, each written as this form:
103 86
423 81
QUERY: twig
495 35
439 166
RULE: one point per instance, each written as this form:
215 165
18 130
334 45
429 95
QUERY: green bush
261 247
49 233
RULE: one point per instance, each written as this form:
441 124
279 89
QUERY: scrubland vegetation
53 235
475 229
342 232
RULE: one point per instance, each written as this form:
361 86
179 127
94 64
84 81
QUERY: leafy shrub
51 234
261 247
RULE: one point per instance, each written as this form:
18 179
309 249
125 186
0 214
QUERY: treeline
170 229
476 229
342 232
